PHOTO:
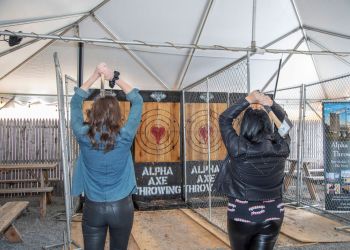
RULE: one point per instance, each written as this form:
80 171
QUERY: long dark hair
105 118
255 125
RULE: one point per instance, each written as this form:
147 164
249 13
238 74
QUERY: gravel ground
328 246
37 233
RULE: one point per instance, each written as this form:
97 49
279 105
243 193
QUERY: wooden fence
33 141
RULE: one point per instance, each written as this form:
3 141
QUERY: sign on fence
336 118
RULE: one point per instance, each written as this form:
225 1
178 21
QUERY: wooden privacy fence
32 141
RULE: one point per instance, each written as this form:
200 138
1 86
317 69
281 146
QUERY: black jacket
256 170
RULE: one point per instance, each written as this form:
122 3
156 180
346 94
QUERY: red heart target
158 133
203 133
197 129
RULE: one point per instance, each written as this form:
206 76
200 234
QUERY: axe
285 126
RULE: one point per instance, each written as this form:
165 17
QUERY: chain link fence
317 172
204 151
325 150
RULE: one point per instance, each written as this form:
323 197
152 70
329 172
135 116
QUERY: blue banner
336 118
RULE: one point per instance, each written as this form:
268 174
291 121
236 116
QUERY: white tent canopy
314 25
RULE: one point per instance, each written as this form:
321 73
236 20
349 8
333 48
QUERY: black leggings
118 216
253 236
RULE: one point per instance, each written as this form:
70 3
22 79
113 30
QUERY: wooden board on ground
8 214
10 211
172 229
219 214
305 226
283 240
77 236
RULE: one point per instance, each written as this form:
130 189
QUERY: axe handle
275 119
272 115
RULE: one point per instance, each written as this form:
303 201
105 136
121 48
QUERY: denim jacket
105 176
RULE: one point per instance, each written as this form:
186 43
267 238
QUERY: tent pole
196 40
40 19
30 57
282 65
242 58
170 44
327 32
253 45
20 46
253 42
130 52
296 12
325 48
65 30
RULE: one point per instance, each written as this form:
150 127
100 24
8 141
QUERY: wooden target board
158 136
197 134
124 109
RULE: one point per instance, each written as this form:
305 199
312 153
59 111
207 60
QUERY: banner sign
158 180
201 176
336 118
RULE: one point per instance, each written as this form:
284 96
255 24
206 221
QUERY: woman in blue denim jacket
104 169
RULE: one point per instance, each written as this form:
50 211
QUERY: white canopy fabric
30 69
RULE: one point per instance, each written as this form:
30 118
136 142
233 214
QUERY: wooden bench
308 178
42 179
8 214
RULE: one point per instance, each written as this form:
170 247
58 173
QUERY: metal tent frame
195 46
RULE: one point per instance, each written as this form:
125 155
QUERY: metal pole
196 40
282 65
302 138
327 32
170 44
80 63
63 138
22 45
299 146
327 49
40 19
192 85
130 52
253 42
67 116
248 72
31 56
208 136
184 143
305 36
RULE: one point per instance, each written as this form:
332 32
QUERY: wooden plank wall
197 141
158 136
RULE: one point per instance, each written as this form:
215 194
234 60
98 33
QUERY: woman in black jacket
255 175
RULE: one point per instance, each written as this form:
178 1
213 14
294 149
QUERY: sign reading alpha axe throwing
159 180
336 118
201 176
157 152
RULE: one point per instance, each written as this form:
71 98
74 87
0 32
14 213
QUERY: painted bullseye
197 132
158 132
